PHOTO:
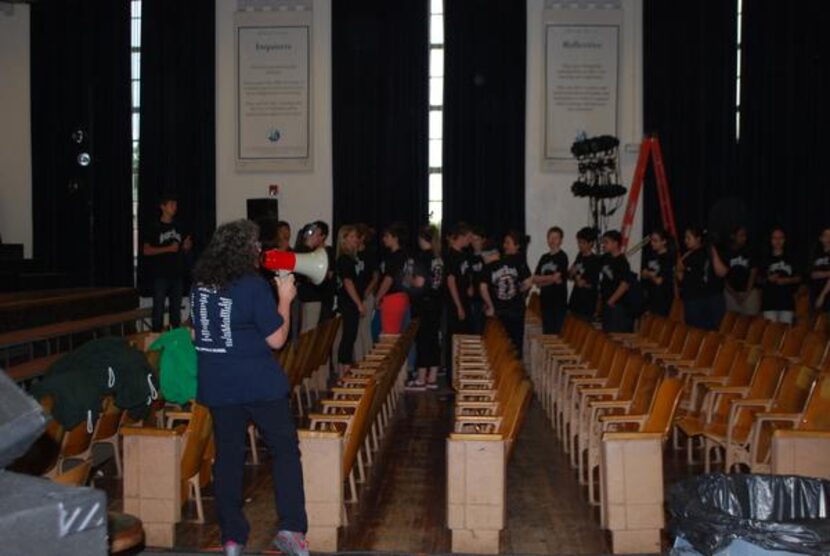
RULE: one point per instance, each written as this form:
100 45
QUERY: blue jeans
276 424
169 289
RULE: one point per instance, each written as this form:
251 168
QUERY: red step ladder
649 149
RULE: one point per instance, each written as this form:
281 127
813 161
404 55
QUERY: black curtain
689 59
177 142
786 118
484 113
80 81
380 112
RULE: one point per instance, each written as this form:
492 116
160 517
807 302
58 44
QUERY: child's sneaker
291 543
416 386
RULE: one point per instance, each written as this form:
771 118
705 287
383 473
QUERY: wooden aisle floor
404 508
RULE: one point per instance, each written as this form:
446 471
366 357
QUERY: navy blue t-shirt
236 365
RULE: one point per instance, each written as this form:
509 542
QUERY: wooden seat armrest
709 381
326 417
654 350
148 431
587 392
742 390
793 418
802 434
354 380
349 391
694 370
668 357
306 433
685 363
477 419
340 403
178 415
587 381
609 420
475 436
579 371
610 404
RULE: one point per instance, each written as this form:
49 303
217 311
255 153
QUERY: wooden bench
30 336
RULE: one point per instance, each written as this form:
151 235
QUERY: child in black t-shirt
614 283
393 301
349 298
505 280
425 292
780 280
164 245
820 274
476 312
551 277
585 275
740 293
700 273
658 274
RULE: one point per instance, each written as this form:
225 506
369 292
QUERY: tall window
135 76
436 109
738 73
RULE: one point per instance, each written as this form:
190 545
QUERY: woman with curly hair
236 325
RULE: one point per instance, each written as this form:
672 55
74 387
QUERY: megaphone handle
283 273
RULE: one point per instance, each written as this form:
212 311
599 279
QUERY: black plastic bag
775 512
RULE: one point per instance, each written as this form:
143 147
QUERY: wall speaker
263 209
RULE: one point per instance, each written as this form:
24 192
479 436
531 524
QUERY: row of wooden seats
306 361
343 438
492 394
606 396
362 404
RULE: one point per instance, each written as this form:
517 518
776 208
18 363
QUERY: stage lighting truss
599 176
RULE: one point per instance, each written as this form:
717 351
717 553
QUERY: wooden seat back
725 357
708 351
197 438
647 382
813 349
634 363
109 421
727 323
765 381
692 343
359 424
75 477
663 407
743 366
617 366
816 416
741 328
794 337
756 329
773 336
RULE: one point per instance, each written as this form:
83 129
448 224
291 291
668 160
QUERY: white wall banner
273 92
581 77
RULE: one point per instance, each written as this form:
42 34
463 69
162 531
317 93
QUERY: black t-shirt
430 267
161 234
476 268
820 263
614 271
347 267
740 263
368 265
584 300
552 263
663 265
778 297
457 264
504 281
699 278
395 267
